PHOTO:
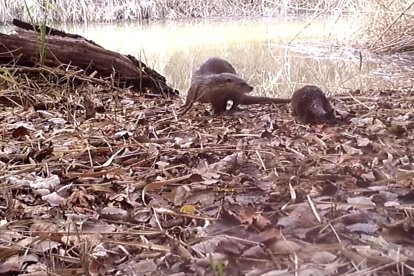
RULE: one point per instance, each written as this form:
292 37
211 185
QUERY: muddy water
275 55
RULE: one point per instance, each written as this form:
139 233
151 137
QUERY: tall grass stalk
47 6
42 45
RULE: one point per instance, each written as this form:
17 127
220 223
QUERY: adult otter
217 82
310 105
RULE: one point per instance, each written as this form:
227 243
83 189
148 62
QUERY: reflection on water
275 55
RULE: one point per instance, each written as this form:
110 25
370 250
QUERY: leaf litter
103 181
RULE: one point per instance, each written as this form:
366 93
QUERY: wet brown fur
217 82
310 105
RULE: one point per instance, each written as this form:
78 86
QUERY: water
277 56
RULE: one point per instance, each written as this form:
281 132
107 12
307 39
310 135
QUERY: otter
217 82
310 105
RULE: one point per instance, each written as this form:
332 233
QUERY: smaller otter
310 105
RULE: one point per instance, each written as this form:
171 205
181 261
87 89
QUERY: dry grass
389 25
125 10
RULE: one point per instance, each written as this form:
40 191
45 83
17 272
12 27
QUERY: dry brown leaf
20 132
9 268
181 193
114 213
399 232
323 257
188 209
285 247
46 245
53 199
7 252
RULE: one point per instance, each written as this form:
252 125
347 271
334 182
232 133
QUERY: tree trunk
74 50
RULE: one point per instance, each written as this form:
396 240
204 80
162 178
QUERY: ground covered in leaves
102 181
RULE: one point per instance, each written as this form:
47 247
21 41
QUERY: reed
47 6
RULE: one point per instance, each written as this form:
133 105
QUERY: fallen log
22 48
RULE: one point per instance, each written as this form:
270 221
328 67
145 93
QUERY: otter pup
310 105
216 82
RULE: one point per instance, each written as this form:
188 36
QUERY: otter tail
246 100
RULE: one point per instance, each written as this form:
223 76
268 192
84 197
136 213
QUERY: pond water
277 56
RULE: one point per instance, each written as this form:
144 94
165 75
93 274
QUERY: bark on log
22 48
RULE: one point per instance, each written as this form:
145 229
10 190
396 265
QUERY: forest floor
103 181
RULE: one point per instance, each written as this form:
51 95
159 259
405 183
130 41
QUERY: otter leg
330 112
235 106
192 96
308 116
219 103
232 110
303 117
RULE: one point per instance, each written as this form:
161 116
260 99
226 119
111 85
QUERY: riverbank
97 180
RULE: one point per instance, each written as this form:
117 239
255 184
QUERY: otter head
318 113
330 116
234 82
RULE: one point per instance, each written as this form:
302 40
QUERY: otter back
310 105
215 65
